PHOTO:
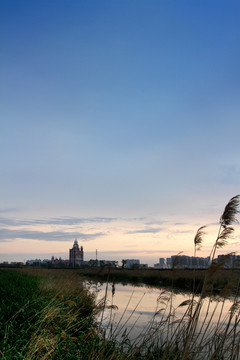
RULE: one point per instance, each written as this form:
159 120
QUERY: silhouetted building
130 263
189 262
76 255
183 262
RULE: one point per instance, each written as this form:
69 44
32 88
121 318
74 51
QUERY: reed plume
224 236
199 237
231 209
228 217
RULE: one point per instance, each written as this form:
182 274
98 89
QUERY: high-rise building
162 261
76 255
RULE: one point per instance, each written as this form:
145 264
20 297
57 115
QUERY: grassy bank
18 306
48 314
177 278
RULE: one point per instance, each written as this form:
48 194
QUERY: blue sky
122 110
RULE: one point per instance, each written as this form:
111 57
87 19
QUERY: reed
194 335
50 314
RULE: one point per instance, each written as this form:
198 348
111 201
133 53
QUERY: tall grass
49 314
195 335
46 315
18 306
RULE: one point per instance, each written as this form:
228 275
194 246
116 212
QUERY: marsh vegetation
50 314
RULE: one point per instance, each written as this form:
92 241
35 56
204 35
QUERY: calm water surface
137 309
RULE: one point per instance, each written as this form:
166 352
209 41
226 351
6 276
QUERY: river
136 311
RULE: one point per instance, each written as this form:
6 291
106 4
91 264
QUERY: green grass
42 316
48 314
19 304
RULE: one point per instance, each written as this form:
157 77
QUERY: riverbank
49 314
178 279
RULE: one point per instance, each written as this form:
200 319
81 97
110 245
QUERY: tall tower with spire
76 255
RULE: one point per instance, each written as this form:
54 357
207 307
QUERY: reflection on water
137 310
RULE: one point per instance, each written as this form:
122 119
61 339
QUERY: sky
119 126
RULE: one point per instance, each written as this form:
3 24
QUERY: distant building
34 262
183 262
161 264
143 266
162 261
131 263
169 262
76 255
189 262
230 261
56 261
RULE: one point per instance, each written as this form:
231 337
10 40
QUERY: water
137 311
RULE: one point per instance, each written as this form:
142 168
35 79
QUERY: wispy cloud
66 220
183 232
145 231
8 235
11 222
74 220
180 223
156 222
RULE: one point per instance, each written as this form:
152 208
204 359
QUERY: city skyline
76 260
119 126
